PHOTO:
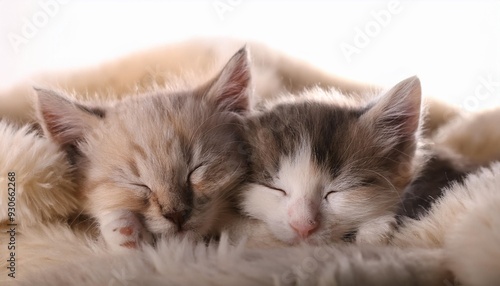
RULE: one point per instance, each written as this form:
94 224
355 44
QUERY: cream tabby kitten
165 163
326 168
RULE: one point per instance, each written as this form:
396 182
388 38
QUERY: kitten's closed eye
278 190
329 193
142 188
364 182
195 176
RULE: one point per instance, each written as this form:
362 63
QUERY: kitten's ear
397 112
231 88
64 121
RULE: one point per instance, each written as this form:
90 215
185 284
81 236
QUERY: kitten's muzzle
178 217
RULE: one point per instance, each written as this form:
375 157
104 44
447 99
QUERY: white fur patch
303 183
123 231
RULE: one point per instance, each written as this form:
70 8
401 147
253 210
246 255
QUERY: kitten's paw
123 231
378 231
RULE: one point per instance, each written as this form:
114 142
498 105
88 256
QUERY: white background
453 46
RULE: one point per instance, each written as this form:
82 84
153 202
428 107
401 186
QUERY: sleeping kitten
165 163
326 167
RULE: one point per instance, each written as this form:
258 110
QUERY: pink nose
304 228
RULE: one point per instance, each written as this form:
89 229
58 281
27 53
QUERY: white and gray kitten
166 163
325 167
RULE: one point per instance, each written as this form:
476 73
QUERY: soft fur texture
459 202
465 222
166 163
181 262
438 168
474 136
453 224
469 142
52 252
48 252
44 187
325 167
473 245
